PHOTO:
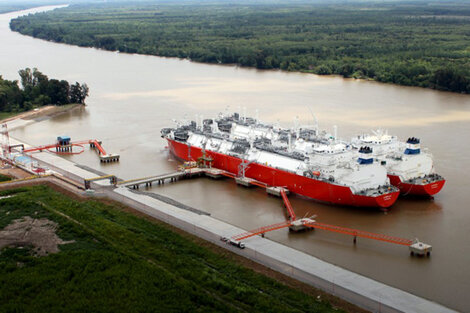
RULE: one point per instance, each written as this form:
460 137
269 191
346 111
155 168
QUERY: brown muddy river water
132 97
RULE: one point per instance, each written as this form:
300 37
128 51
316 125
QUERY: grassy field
123 263
417 43
4 115
4 178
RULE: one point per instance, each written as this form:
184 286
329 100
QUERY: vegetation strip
413 43
120 262
37 90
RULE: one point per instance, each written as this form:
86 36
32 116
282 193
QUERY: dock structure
160 179
112 180
104 157
64 145
292 222
244 181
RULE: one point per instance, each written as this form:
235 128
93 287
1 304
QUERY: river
133 96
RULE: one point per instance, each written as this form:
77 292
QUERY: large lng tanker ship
408 166
303 160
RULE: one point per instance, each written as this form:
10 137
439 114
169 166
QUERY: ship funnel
335 130
365 155
413 146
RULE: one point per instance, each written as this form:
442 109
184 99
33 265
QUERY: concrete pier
276 191
213 173
106 158
244 181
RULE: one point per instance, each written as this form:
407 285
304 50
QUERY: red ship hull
426 190
312 188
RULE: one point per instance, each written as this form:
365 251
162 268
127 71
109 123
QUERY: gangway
415 246
112 180
294 224
261 230
104 157
290 210
359 233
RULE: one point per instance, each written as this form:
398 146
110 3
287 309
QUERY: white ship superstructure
408 165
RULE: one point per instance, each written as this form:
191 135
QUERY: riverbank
403 44
47 111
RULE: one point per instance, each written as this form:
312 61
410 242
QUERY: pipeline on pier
64 145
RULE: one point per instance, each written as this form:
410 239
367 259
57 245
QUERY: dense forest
421 43
38 90
118 262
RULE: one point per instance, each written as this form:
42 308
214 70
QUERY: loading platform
104 157
183 173
294 224
64 145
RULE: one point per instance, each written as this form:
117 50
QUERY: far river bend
133 96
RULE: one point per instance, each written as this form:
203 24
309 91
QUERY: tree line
37 90
413 43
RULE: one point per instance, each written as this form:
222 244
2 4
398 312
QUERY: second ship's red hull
312 188
424 189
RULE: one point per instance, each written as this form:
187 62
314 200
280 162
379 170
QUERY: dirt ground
28 231
48 110
13 172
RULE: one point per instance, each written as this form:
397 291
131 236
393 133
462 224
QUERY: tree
58 91
26 78
75 93
85 91
78 93
37 91
11 97
39 78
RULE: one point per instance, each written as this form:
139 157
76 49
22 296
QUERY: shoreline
47 111
351 287
236 65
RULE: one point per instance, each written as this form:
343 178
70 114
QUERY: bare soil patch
13 172
28 231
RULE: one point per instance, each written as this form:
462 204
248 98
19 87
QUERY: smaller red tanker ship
302 159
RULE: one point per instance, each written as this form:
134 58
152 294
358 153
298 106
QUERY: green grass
4 115
4 178
123 263
415 43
